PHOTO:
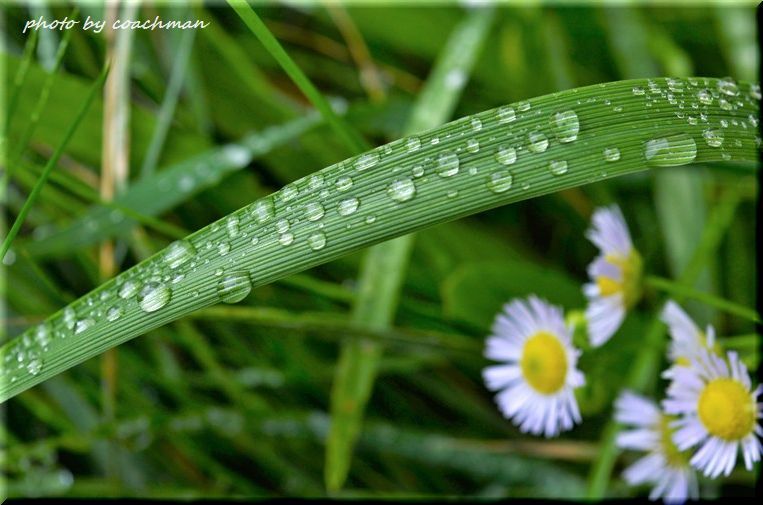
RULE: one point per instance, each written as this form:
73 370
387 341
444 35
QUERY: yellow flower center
726 409
673 455
544 363
630 271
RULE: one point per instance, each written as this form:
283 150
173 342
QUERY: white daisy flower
719 412
538 376
664 467
686 339
615 275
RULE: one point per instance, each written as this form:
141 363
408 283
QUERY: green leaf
643 135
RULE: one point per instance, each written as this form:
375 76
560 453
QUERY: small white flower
664 467
538 378
686 339
719 412
615 275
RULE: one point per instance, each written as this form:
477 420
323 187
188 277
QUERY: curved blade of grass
383 268
173 185
288 242
51 164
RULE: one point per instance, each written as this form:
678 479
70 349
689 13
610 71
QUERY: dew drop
402 190
724 104
282 225
506 114
452 193
223 248
506 155
476 124
538 142
42 335
367 160
231 224
285 238
314 211
611 153
128 289
317 240
348 206
565 125
343 183
557 167
370 219
673 150
289 192
34 366
713 138
523 106
263 210
417 171
153 296
704 97
82 325
114 313
728 86
178 253
500 181
638 90
315 182
447 164
755 91
413 144
472 145
234 287
70 317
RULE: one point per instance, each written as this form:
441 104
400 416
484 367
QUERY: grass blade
221 257
51 164
384 265
352 140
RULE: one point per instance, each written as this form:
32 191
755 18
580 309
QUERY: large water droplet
234 287
402 190
506 155
231 225
413 144
315 182
153 296
289 192
538 142
285 238
728 86
713 138
704 97
417 171
367 160
263 210
477 123
565 125
673 150
317 240
500 181
557 167
314 211
223 248
114 313
70 317
282 225
42 335
34 365
523 106
506 114
447 164
82 325
128 289
178 253
611 153
472 145
343 183
348 206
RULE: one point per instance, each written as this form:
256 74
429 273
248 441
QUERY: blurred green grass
228 407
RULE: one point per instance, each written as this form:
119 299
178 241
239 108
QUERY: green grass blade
676 289
352 140
170 187
167 110
43 100
51 164
294 235
384 265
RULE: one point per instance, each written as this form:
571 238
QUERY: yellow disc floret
544 363
726 409
628 284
